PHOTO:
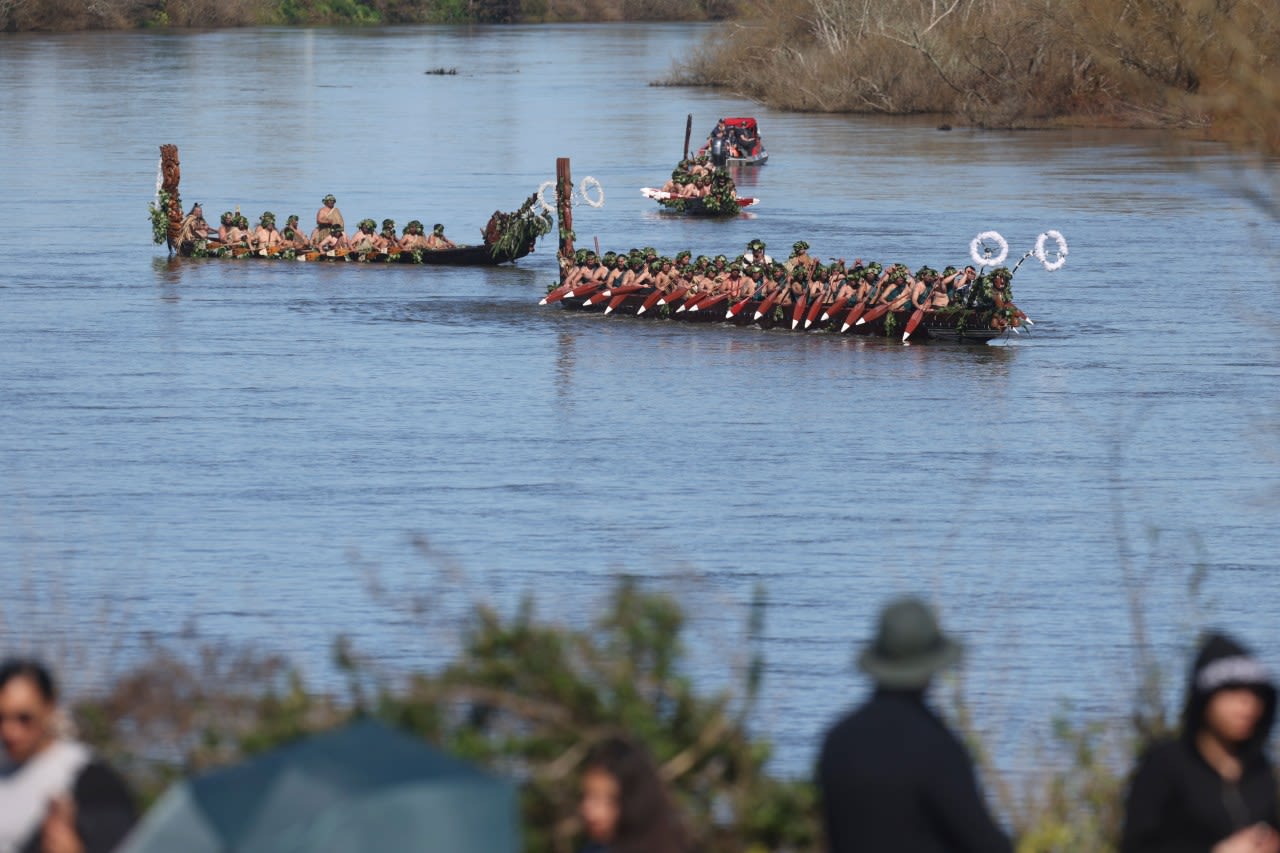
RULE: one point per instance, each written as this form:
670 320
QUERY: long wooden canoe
966 325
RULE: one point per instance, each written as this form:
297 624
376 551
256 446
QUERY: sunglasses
22 718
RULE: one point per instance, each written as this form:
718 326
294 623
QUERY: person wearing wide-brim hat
892 776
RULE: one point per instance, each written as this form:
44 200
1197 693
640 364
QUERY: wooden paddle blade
712 301
675 295
769 302
916 317
736 308
835 309
585 289
855 314
649 302
797 310
556 295
615 302
813 313
876 313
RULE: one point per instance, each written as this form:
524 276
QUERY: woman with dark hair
625 807
1213 788
54 796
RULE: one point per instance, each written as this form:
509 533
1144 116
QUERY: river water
247 452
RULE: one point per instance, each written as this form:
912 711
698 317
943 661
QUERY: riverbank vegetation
67 15
1209 64
528 697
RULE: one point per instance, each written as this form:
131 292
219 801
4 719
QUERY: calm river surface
238 449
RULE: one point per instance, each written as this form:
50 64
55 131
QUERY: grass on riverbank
67 15
1010 63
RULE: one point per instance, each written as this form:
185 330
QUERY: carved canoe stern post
170 176
564 210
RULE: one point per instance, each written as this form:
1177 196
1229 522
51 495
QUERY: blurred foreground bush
525 698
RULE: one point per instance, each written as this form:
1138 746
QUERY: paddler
437 240
413 239
266 235
388 235
293 236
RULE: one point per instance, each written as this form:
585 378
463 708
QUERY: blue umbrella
362 787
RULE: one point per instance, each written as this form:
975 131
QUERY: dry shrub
1004 62
214 13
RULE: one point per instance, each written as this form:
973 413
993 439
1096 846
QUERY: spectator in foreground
1212 788
54 796
625 807
891 776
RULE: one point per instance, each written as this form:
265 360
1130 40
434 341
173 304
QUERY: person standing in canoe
327 216
194 228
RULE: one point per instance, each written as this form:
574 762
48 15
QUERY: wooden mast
564 210
170 176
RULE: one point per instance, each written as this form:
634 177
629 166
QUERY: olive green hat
367 224
266 217
799 246
437 228
329 197
909 647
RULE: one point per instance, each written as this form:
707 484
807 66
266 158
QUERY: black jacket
1176 801
105 811
892 777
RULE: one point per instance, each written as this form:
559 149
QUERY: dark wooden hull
966 326
462 256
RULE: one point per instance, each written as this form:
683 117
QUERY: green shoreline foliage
528 698
67 15
1206 64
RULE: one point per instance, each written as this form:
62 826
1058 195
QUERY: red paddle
855 313
675 294
651 301
813 312
835 309
621 293
797 311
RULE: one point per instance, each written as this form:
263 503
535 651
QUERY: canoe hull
462 256
964 326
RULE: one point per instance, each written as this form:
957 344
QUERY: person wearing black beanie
1212 789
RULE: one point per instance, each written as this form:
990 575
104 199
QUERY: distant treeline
62 15
1010 63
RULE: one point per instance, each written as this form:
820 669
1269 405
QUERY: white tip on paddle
844 328
758 316
728 315
608 310
680 309
824 317
861 320
794 323
641 311
905 335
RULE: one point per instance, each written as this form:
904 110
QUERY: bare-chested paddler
266 235
437 240
293 236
